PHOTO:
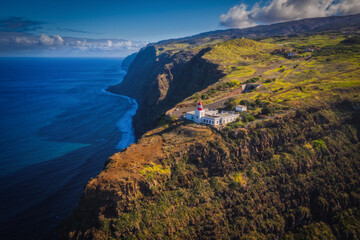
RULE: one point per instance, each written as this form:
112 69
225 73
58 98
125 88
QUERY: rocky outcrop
125 64
263 181
159 82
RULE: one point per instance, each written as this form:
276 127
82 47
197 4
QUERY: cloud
75 30
19 24
46 40
241 16
58 39
24 44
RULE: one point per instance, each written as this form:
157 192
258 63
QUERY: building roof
221 115
241 106
212 116
226 115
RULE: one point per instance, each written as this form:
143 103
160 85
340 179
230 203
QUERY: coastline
87 116
125 123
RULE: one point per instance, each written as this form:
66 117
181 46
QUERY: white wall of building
211 117
241 108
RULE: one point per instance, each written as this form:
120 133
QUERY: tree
245 102
266 110
230 103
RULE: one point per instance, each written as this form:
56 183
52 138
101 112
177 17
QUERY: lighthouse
199 112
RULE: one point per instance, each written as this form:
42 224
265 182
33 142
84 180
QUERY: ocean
58 127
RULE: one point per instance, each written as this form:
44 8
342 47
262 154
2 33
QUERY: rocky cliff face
159 78
294 177
159 81
127 61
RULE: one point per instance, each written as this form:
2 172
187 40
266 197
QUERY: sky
116 28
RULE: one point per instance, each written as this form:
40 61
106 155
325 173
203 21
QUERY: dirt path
220 103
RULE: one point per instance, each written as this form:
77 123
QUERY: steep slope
159 81
288 168
125 64
165 73
296 176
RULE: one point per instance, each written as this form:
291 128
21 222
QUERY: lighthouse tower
199 112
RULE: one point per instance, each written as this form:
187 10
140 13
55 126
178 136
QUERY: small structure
241 108
292 54
210 116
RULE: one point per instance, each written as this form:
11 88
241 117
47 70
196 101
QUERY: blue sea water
58 126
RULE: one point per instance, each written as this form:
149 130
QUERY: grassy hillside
292 177
289 82
289 168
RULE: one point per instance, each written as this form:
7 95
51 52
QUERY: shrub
319 144
245 102
249 118
267 111
352 40
239 178
150 172
252 80
237 124
230 103
258 101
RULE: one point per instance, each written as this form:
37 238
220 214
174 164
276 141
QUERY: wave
124 124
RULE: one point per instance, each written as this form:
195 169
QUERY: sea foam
124 124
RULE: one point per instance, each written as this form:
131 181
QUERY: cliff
159 81
288 168
125 64
265 181
165 73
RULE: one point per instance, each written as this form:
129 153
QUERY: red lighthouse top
199 106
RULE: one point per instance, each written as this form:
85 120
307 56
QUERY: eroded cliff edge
265 181
158 81
291 174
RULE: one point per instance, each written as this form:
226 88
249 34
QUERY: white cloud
241 16
58 39
46 40
23 40
64 46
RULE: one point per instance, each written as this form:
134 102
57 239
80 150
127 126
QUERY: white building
210 117
241 108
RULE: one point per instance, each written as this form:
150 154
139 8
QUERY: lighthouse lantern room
199 112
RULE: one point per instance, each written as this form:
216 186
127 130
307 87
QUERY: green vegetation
270 80
230 104
218 89
239 178
319 144
166 120
252 80
352 40
249 118
153 171
234 125
248 184
288 168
